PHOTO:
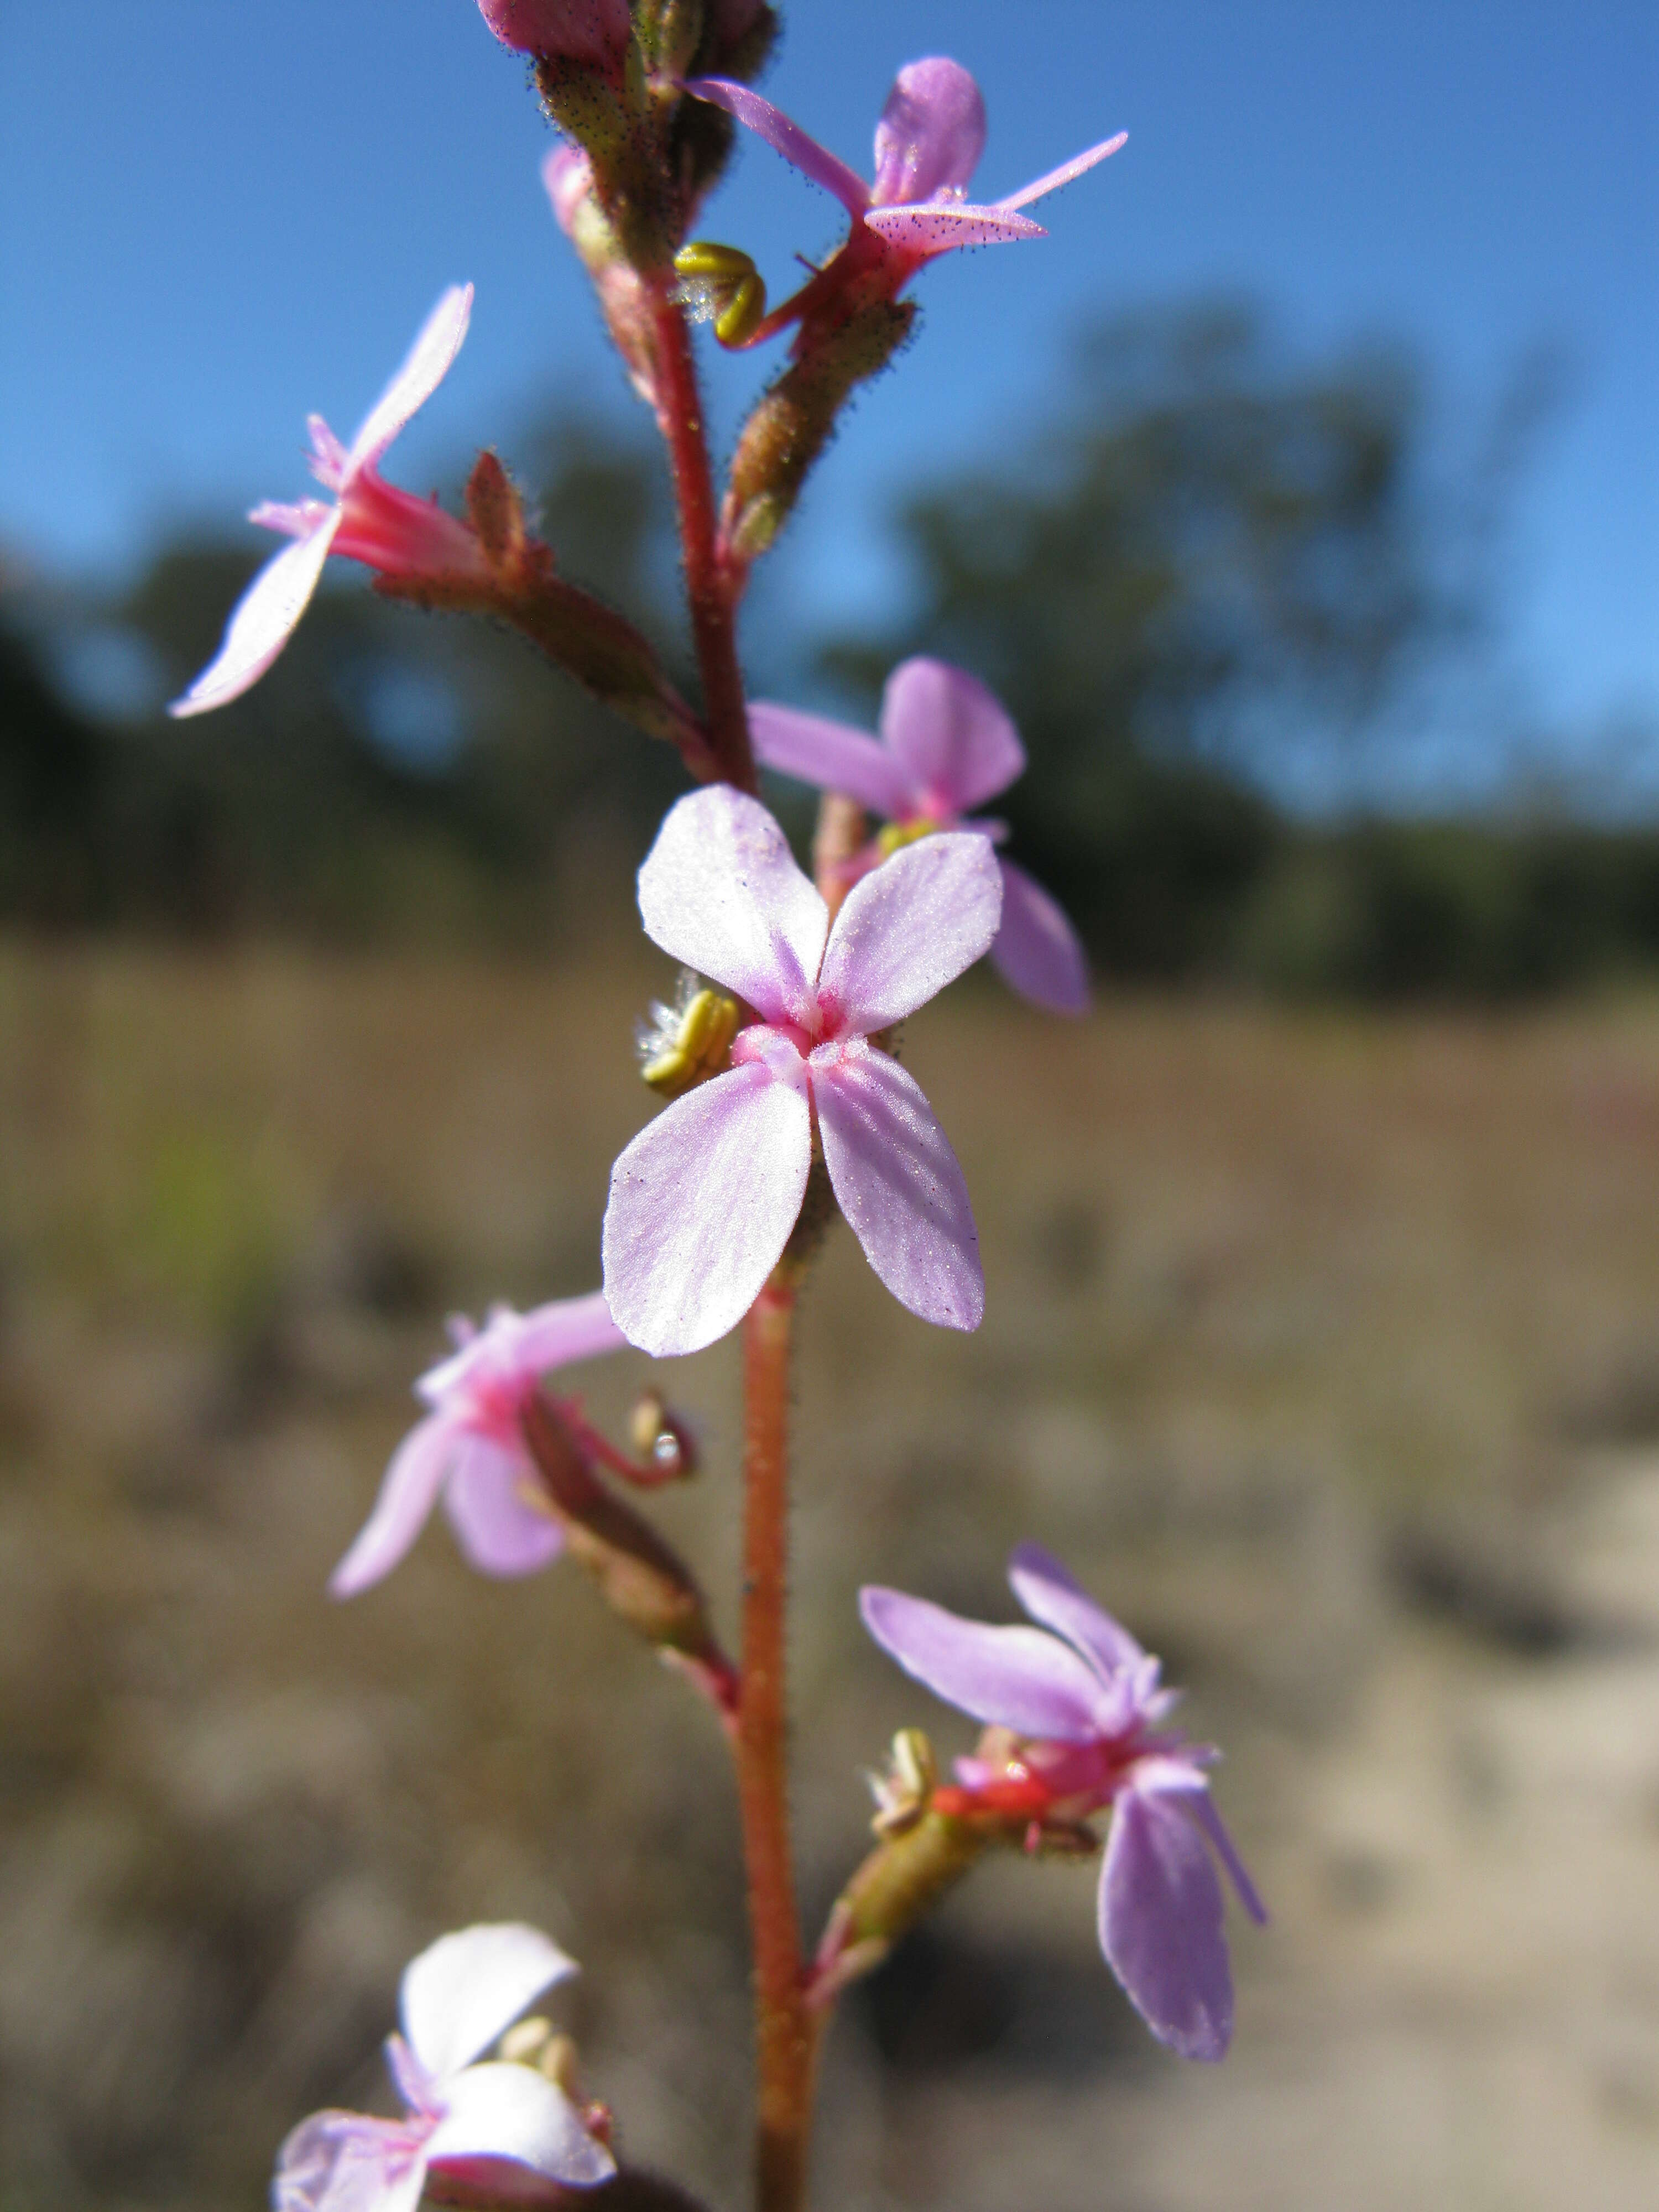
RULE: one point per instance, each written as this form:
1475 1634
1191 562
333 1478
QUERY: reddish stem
785 2031
708 589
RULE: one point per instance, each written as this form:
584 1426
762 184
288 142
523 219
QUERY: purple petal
466 1989
262 617
1064 174
347 2162
941 226
492 1503
1016 1678
1051 1597
909 927
954 736
424 369
784 137
898 1182
1036 952
931 134
1160 1925
505 2115
832 758
408 1492
720 891
702 1205
1201 1807
565 1330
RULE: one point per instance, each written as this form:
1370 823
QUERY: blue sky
216 217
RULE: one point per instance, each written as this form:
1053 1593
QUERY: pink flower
702 1202
370 520
469 1450
496 2133
1075 1714
946 746
594 32
928 143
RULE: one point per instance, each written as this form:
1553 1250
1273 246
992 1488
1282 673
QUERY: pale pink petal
942 226
330 460
1015 1678
1161 1925
931 134
898 1183
702 1205
832 758
784 137
427 364
568 178
953 736
259 626
1051 1597
505 2124
565 1330
494 1507
467 1988
408 1492
347 2162
295 518
1036 952
909 927
720 891
1064 174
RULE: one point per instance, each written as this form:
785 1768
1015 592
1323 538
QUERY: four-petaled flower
371 520
928 143
702 1202
471 1447
492 2134
1075 1717
946 746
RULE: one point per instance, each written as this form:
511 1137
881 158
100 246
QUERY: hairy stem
709 588
784 2031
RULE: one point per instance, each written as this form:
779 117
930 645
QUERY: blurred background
1298 495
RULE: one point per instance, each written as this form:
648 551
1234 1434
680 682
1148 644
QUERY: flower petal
261 620
1160 1925
785 137
1037 950
424 369
408 1492
931 134
720 891
347 2162
491 1502
1063 175
941 226
953 735
505 2115
899 1184
466 1989
1202 1807
565 1330
702 1205
1016 1678
832 758
1051 1597
909 927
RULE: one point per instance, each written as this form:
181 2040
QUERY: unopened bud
592 34
683 1044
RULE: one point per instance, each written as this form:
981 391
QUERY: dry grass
1289 1315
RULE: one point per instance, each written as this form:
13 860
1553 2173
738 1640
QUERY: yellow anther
523 2045
895 835
558 2063
721 285
688 1041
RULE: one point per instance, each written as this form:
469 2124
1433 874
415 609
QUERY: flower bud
592 34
